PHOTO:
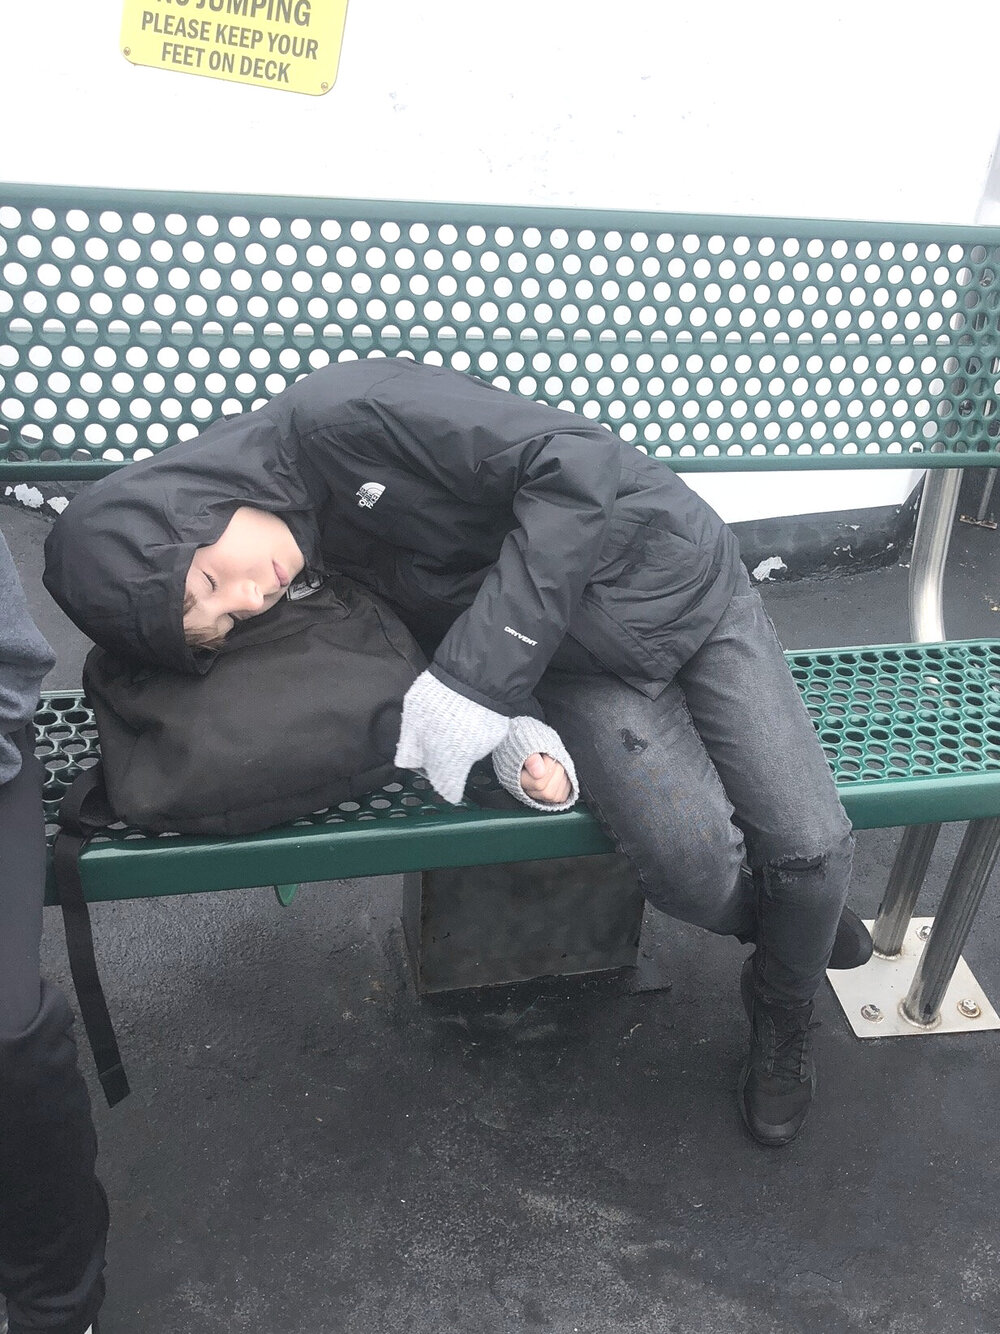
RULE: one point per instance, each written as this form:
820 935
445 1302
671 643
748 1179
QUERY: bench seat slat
912 733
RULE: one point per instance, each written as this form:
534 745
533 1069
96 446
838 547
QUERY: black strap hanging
83 811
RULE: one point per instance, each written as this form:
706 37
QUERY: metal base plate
871 996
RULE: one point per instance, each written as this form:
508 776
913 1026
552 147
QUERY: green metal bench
130 319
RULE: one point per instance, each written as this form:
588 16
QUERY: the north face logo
368 494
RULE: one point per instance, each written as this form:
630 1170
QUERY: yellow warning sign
292 45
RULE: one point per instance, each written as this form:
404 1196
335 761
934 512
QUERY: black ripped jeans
725 764
53 1213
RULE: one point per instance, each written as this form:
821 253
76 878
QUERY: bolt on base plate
871 996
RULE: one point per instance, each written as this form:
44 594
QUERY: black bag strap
83 811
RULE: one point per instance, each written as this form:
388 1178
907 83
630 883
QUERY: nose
247 597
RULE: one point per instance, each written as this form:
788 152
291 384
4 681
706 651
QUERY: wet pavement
311 1148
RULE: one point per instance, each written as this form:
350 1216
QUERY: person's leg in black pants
53 1212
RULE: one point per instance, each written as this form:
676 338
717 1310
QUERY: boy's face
241 575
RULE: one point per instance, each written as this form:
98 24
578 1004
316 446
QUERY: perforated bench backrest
131 319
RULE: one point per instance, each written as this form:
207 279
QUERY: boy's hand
533 765
544 779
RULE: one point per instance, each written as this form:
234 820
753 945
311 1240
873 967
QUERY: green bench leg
486 925
285 893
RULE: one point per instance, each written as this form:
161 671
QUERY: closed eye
211 582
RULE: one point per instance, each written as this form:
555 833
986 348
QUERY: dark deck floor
309 1148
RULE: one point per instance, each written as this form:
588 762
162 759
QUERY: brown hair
199 638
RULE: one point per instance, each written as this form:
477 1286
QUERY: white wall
861 109
989 205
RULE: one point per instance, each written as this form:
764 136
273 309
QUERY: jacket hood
117 558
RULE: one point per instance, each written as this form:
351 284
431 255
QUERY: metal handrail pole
974 864
903 888
984 499
935 519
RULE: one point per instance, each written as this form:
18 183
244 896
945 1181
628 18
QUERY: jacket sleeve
557 476
563 487
25 658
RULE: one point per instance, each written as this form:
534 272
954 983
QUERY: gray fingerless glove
443 734
527 736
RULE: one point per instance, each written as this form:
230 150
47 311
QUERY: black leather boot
853 946
778 1081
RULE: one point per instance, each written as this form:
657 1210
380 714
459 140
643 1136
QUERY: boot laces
786 1043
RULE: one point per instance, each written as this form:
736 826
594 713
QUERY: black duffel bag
299 711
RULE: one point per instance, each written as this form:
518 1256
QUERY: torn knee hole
793 865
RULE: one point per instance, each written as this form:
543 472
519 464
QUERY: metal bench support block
872 997
486 925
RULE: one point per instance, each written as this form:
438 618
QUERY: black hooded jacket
506 533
